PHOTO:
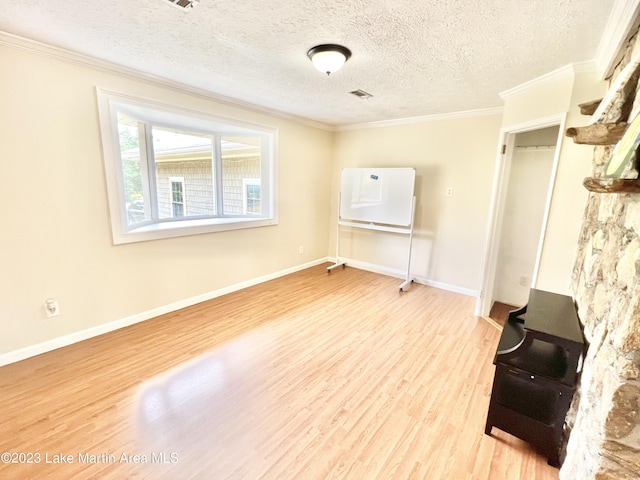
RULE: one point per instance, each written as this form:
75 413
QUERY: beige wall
538 100
560 96
449 231
56 239
569 196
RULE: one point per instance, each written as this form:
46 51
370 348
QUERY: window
172 171
177 196
251 196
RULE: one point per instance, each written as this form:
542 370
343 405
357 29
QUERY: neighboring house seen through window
174 172
177 196
251 196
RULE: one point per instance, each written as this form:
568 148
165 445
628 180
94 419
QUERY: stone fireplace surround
604 420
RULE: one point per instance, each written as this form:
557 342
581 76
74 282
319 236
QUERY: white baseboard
393 272
450 288
49 345
372 267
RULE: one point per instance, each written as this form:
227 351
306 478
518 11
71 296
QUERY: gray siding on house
198 180
234 171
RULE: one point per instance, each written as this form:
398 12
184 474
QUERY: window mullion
217 178
266 175
151 170
144 169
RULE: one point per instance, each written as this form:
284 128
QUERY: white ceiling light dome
329 58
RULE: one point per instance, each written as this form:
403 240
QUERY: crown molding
557 74
421 119
588 66
560 73
621 23
623 15
75 58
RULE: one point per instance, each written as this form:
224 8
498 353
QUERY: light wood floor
500 312
311 376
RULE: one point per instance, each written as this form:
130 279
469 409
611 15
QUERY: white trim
153 111
547 207
620 22
425 118
622 19
588 66
496 211
75 58
449 288
494 225
538 123
54 344
398 273
560 73
76 337
82 60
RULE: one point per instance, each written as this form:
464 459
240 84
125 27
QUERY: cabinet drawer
532 396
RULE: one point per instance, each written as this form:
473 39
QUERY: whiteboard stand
382 228
338 262
407 279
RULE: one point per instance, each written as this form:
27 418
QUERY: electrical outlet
449 192
51 307
524 281
301 249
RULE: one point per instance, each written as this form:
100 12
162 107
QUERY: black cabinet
537 365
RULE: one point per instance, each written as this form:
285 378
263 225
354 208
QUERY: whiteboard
377 195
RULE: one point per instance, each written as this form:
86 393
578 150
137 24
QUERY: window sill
182 228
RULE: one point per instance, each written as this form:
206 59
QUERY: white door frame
506 137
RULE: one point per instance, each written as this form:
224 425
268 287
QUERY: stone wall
604 420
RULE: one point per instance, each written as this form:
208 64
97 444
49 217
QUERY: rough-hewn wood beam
612 185
588 108
597 134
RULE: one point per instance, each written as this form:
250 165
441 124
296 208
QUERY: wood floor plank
310 376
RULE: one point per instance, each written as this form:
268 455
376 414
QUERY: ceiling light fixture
329 58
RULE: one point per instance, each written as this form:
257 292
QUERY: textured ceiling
416 57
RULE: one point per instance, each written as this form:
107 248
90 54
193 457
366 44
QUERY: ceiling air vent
361 93
183 4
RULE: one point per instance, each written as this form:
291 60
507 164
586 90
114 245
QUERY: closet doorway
523 188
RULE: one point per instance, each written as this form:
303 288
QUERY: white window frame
245 198
110 102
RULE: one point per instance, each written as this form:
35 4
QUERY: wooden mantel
612 185
597 134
